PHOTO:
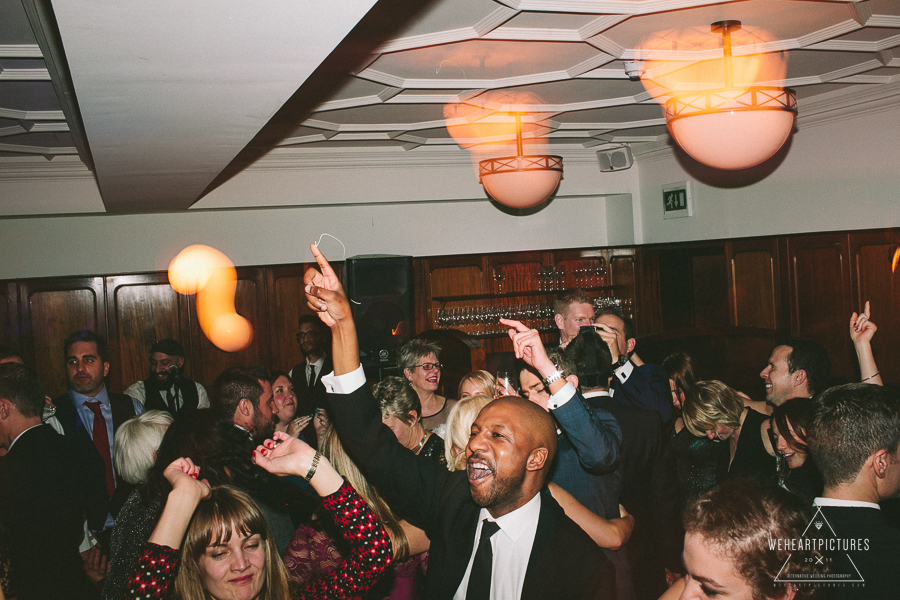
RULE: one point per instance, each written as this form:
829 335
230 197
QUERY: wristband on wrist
870 377
557 374
313 466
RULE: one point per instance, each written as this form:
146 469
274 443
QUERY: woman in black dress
715 411
797 473
401 411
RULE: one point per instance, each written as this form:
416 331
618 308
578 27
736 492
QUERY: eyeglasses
428 367
308 334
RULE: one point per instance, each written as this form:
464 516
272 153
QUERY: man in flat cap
166 388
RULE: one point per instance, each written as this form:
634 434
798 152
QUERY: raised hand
611 338
183 475
298 425
861 328
284 455
529 347
324 293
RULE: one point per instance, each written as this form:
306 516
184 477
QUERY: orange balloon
211 275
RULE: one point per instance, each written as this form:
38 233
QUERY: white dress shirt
511 547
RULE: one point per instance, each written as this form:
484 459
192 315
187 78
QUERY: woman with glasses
400 410
418 360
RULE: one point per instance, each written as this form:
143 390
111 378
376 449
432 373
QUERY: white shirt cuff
624 372
561 397
345 384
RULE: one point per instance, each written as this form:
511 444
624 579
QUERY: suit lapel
459 548
536 574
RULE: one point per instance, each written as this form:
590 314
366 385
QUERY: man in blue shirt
91 413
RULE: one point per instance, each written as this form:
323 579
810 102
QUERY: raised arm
595 434
186 494
861 332
410 484
286 455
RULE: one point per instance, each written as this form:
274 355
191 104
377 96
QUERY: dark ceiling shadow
522 212
722 178
380 24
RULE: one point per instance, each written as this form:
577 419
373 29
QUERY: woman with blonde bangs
228 550
715 411
610 534
313 551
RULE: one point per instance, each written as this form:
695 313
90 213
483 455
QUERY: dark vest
122 407
186 389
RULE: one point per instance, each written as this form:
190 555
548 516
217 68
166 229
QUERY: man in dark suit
307 376
646 471
535 551
42 495
91 414
634 383
853 438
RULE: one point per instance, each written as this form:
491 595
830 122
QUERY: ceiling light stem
725 28
519 151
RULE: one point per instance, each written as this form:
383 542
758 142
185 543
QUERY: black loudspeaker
380 288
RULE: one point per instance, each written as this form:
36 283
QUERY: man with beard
307 376
244 394
92 414
165 388
495 531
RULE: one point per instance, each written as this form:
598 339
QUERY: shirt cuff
624 372
345 384
561 397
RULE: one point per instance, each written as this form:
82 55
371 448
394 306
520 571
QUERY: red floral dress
154 576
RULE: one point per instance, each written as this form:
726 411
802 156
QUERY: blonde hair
710 403
136 443
337 456
228 510
458 427
483 381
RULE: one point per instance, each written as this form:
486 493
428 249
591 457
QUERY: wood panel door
9 315
250 302
753 280
875 278
143 309
819 275
286 303
50 310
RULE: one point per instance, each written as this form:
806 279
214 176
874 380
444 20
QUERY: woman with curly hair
401 411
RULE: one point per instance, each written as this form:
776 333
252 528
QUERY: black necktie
312 375
480 577
172 400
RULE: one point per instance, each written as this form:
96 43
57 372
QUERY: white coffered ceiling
164 101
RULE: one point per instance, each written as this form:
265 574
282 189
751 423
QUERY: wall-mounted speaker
617 159
380 288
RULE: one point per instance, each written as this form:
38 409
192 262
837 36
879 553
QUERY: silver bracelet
312 467
557 374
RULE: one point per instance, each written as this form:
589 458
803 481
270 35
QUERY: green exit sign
677 200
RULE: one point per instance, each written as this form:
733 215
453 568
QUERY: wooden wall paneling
753 297
251 303
50 310
286 303
820 295
648 304
143 309
10 334
454 276
709 287
875 279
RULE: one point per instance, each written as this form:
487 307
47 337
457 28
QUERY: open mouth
788 455
478 471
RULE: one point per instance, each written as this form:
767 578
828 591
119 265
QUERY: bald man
530 549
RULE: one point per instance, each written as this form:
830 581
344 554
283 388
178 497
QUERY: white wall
425 210
837 174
